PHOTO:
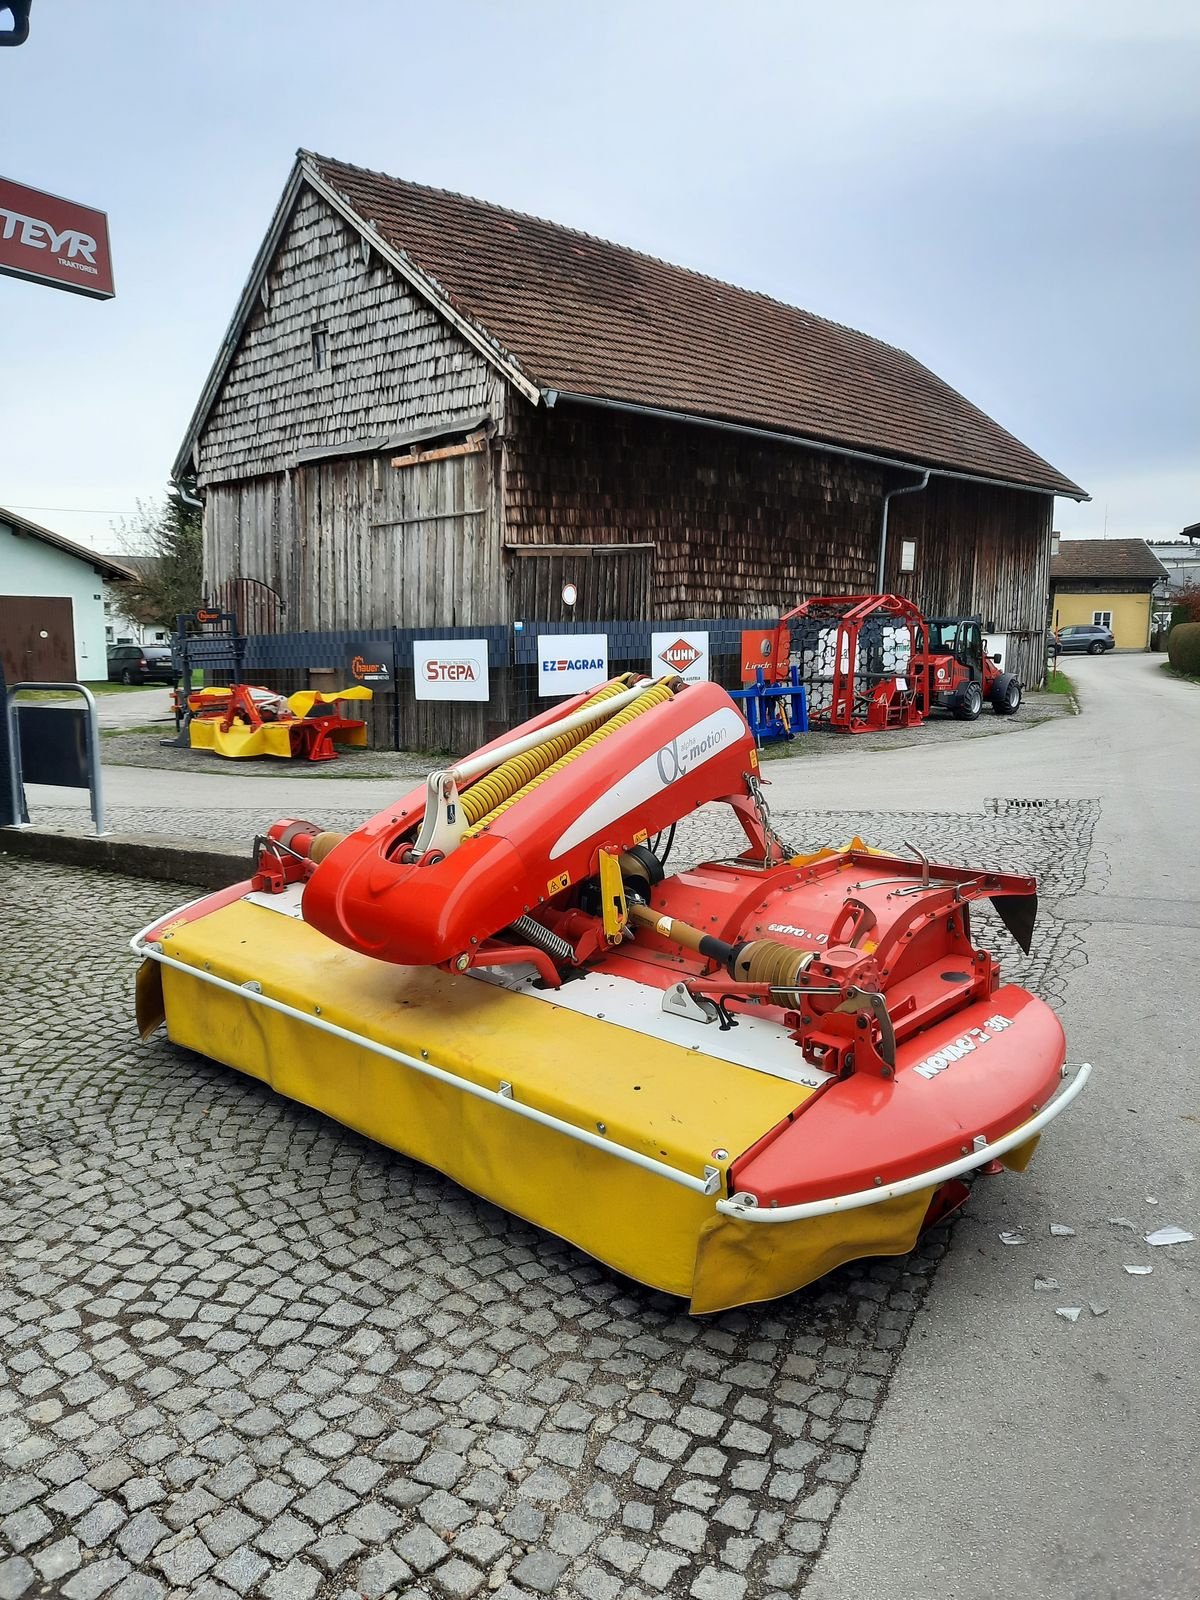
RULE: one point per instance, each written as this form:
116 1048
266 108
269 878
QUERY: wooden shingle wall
391 363
741 528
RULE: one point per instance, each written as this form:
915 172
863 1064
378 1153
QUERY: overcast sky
1010 191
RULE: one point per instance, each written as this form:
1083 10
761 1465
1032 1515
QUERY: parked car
1091 637
140 663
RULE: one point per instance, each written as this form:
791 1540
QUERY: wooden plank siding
615 583
979 551
352 543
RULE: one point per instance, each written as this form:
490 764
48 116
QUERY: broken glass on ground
1139 1272
1170 1235
1045 1283
1012 1236
1097 1309
1069 1313
1061 1231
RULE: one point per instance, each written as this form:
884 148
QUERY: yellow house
1106 581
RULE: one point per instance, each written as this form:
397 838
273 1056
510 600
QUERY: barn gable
336 347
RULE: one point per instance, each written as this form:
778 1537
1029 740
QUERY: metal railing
64 765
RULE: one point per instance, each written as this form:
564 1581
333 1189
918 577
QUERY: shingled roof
575 316
112 569
1106 558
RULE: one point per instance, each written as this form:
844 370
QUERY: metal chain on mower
763 811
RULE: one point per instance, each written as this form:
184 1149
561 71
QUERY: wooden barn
431 412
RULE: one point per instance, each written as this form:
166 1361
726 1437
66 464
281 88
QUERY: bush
1183 648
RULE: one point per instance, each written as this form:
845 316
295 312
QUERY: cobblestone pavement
243 1352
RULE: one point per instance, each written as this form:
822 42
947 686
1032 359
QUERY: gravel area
145 749
245 1352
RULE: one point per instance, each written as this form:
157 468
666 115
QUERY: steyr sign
50 240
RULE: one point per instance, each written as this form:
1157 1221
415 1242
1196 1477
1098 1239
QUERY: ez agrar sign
47 239
571 662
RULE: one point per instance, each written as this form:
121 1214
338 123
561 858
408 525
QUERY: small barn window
320 349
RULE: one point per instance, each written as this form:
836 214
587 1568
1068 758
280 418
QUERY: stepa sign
450 669
47 239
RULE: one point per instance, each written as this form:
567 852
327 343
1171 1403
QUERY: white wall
120 629
29 566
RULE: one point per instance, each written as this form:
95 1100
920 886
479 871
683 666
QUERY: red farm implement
871 662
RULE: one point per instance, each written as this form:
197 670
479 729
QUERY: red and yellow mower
723 1081
246 720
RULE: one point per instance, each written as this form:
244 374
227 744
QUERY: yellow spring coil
656 695
488 792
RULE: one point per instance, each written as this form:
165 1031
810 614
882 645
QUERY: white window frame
1102 619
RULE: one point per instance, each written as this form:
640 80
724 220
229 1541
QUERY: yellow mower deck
676 1105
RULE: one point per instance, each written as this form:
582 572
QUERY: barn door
37 638
613 582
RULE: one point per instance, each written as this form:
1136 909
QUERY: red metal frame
897 702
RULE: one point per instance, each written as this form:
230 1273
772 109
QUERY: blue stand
774 711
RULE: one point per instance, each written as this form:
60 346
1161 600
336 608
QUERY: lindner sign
50 240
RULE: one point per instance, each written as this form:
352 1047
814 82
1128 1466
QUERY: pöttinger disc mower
722 1081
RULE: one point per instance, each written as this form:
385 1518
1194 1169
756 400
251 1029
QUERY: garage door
37 638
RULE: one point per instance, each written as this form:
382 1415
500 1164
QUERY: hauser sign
571 662
369 662
50 240
450 669
682 653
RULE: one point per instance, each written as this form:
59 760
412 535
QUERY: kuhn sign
570 662
682 653
50 240
450 669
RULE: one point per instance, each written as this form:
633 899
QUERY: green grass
1183 677
1058 683
101 686
163 729
785 749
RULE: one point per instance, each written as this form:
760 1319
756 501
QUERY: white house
124 621
51 604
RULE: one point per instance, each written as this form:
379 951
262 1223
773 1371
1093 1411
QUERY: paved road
135 708
1018 1453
